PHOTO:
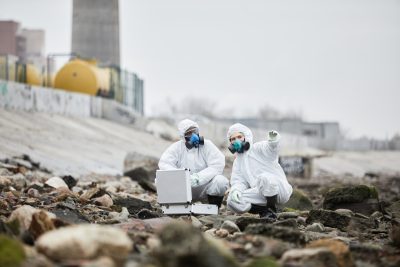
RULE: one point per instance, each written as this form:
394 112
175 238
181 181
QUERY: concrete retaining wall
24 97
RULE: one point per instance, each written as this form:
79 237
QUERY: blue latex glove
237 145
195 179
195 139
236 196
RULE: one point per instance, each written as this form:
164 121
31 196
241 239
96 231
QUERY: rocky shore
100 220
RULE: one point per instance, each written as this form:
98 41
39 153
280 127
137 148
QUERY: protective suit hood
240 128
184 125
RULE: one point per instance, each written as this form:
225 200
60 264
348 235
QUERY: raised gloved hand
236 196
195 179
272 135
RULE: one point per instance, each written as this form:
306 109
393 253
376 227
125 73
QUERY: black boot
257 209
215 200
270 209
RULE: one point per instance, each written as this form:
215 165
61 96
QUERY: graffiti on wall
292 166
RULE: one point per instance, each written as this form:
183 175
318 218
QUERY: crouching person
205 162
258 182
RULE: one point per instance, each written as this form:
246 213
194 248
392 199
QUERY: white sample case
174 194
173 186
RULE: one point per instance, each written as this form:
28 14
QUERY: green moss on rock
11 252
299 201
349 194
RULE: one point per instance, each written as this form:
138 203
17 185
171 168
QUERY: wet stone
70 216
287 223
280 232
243 222
358 198
148 214
134 205
230 226
329 218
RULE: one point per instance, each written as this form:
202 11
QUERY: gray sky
334 60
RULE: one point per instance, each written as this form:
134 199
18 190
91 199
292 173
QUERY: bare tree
267 112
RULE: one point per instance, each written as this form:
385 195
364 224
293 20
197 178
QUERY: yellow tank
33 76
84 77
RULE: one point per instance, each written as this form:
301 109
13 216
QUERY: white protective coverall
256 173
206 160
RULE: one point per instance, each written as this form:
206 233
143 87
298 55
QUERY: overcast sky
334 60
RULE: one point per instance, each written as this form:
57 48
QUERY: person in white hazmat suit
203 159
258 182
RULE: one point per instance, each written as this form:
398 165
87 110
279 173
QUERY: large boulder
82 242
299 201
358 198
140 167
329 218
183 245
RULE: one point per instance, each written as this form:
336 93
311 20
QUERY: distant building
95 30
322 135
26 44
8 36
34 47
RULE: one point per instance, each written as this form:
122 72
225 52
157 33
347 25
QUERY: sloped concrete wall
24 97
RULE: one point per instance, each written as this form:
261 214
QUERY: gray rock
310 236
56 182
310 257
243 222
367 252
287 223
359 226
148 214
280 232
221 233
395 232
81 242
99 262
134 205
23 215
316 227
196 222
105 201
359 198
346 212
376 215
71 216
18 180
140 167
328 218
394 209
184 245
230 226
287 215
